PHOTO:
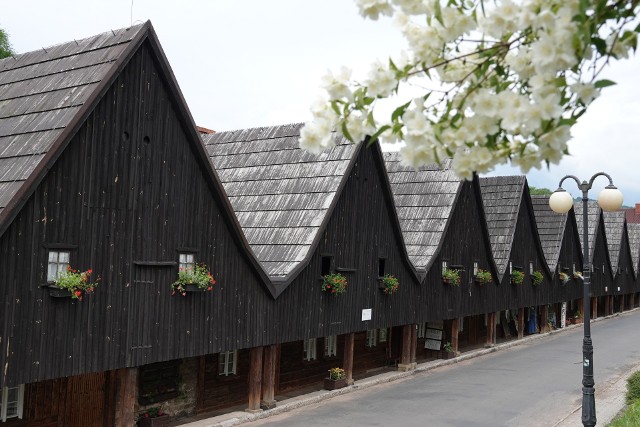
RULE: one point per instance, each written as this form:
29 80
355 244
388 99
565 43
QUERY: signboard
432 344
563 315
366 314
433 336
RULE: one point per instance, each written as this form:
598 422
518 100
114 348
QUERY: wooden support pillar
520 322
594 307
607 306
126 387
544 319
611 305
255 379
580 305
347 362
405 356
414 345
269 377
454 335
491 330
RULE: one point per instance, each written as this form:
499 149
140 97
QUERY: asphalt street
536 384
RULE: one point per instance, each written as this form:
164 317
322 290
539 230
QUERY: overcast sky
248 63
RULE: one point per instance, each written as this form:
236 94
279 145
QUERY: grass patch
629 418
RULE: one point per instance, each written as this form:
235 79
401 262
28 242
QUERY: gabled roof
42 92
551 228
281 194
593 222
502 198
424 199
633 230
614 227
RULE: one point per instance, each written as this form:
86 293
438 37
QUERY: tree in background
5 46
535 191
484 83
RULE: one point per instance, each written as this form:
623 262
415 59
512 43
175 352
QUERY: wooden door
88 398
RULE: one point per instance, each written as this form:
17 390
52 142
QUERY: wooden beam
268 377
255 379
200 384
520 322
347 361
491 330
594 307
454 335
405 356
414 345
126 388
544 318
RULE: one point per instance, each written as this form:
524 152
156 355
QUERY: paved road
536 384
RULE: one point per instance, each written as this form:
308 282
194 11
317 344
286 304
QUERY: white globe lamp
610 199
560 201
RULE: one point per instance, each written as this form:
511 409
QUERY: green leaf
604 83
398 112
601 45
438 12
379 132
346 133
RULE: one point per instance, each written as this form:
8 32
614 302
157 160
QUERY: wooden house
306 216
517 250
633 231
624 275
442 219
101 168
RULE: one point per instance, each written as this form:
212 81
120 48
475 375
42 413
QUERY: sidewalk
609 397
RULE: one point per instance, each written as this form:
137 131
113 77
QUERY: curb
240 417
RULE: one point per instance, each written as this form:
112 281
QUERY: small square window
11 402
227 362
382 335
310 349
58 263
372 337
330 346
186 262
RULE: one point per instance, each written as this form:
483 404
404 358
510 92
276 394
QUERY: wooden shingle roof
41 92
502 197
634 244
593 221
424 199
614 227
281 194
551 228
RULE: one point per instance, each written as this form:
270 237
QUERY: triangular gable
551 227
614 226
633 230
593 224
103 57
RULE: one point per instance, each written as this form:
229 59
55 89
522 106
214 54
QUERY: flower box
447 354
448 281
58 292
161 421
330 384
192 287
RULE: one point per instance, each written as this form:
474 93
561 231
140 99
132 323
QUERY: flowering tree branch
513 78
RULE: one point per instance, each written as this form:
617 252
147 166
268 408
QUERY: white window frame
475 268
444 266
227 363
421 330
310 349
382 335
59 260
186 261
331 346
372 337
4 400
530 267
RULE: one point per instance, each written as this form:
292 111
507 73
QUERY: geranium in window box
388 284
154 417
517 277
337 379
564 278
334 283
73 283
196 279
537 278
451 276
482 277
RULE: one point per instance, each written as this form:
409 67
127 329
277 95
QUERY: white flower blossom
372 9
337 85
381 80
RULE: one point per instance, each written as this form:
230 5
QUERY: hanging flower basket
337 379
73 283
482 277
388 284
564 278
196 279
517 277
334 284
537 278
451 277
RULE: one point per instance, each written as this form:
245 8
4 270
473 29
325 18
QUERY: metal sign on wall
433 336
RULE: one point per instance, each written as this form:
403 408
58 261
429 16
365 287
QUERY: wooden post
611 305
544 318
405 356
607 306
454 335
594 308
520 322
414 345
126 387
268 377
255 379
491 330
347 362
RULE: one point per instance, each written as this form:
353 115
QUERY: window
381 263
371 337
11 402
510 267
331 345
325 268
530 267
158 382
227 362
421 329
444 266
382 335
186 262
58 263
475 268
310 349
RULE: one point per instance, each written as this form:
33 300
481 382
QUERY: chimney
637 208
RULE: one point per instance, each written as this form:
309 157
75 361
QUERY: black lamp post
610 199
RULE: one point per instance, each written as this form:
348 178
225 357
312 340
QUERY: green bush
629 418
633 388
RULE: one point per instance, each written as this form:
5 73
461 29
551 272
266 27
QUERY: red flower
78 293
209 288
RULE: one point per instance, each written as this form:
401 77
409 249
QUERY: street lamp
610 199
